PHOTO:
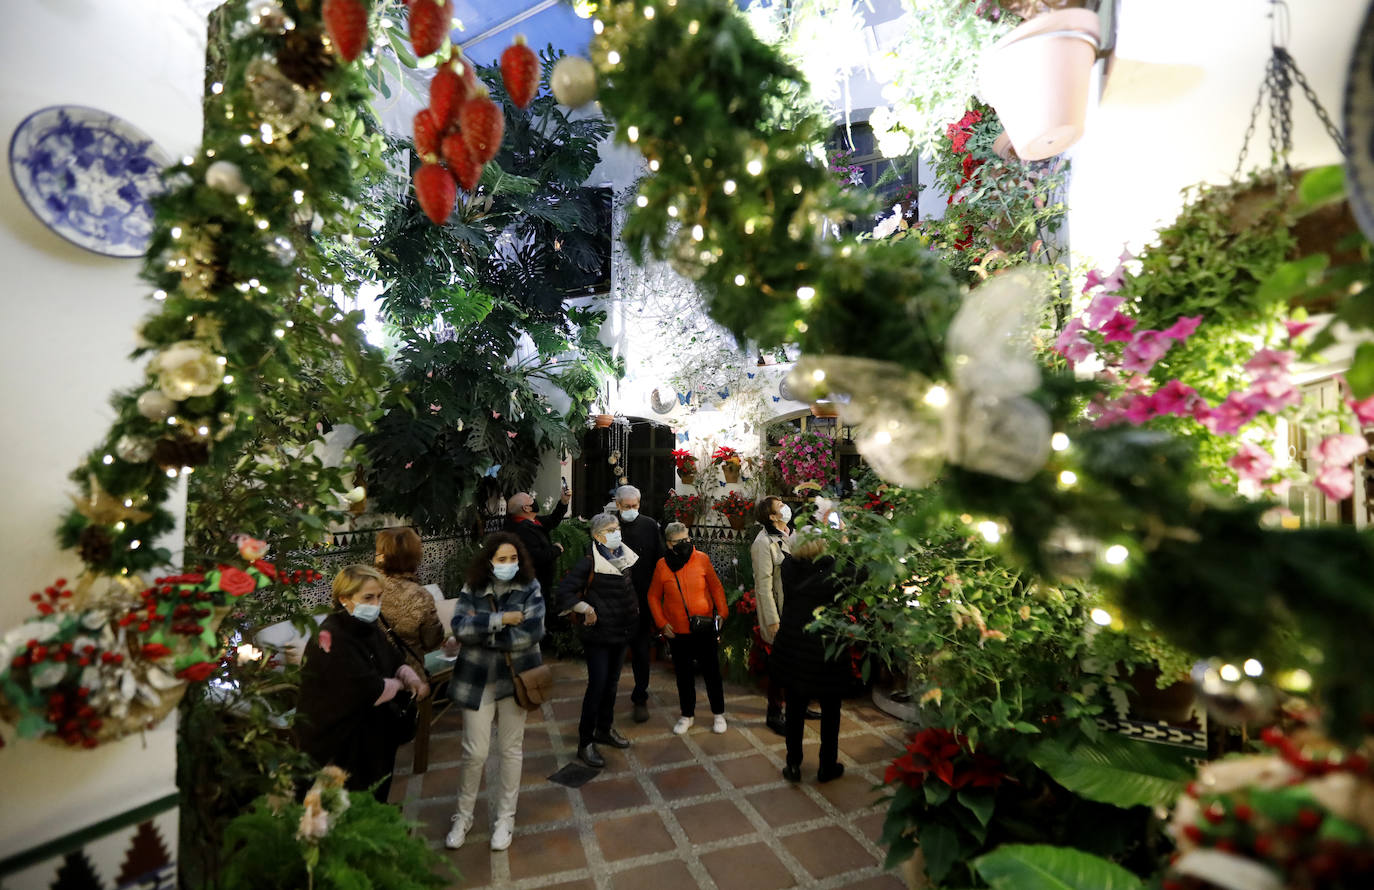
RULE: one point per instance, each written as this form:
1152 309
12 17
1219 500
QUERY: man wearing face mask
535 532
640 533
770 548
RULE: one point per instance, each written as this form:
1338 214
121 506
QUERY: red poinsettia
949 758
236 582
198 672
265 567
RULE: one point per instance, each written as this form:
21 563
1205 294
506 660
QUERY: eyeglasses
679 541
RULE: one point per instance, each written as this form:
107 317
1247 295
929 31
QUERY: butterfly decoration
907 426
683 436
723 392
777 398
684 398
750 374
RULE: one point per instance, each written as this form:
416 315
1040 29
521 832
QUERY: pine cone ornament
429 24
304 58
95 546
520 72
427 133
483 124
278 101
436 192
175 453
460 161
346 23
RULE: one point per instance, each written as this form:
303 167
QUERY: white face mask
629 515
367 612
612 541
786 512
504 571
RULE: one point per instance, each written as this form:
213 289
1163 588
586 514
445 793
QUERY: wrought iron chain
1331 129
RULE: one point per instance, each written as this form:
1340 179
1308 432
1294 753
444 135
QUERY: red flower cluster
949 758
1313 760
75 720
748 604
875 502
684 460
725 454
961 130
54 596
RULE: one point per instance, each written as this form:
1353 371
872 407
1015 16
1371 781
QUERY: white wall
66 326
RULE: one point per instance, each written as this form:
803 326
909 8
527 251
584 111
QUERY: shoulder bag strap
495 607
400 643
685 607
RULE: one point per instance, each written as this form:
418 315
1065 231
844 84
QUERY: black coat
536 536
346 664
644 537
799 660
610 593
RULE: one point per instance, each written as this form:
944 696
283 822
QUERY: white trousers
510 742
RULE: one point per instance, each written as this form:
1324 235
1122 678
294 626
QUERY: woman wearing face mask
687 601
599 589
772 545
499 619
351 673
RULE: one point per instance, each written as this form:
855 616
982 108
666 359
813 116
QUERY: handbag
401 716
698 624
532 686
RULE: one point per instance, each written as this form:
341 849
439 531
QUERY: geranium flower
1228 417
1101 309
1340 449
1269 362
1118 328
1177 398
1252 462
1145 350
1337 483
1183 328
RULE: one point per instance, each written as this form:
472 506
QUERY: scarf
616 558
676 562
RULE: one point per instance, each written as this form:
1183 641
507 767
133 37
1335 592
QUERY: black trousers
641 650
598 704
797 701
692 651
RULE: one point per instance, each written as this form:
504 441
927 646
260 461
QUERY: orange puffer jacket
700 590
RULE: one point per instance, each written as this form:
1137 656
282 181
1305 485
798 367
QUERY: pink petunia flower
1071 344
1093 279
1280 488
1232 414
1297 328
1340 449
1118 328
1271 395
1183 328
1364 409
1101 309
1269 363
1141 409
1147 348
1177 398
1337 483
1252 462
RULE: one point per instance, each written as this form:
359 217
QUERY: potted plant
735 507
806 457
686 464
683 508
728 460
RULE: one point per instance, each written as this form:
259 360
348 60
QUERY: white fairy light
203 430
245 139
1230 673
1116 554
818 375
159 295
672 210
221 360
1101 617
755 167
119 526
936 397
654 165
241 200
135 544
698 233
216 88
176 231
642 201
1068 478
263 224
648 12
171 473
882 437
1059 442
806 294
729 186
172 421
739 280
107 459
598 26
613 57
990 532
632 133
326 96
1252 667
228 378
329 123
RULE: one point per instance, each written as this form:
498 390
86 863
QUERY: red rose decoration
199 671
155 650
266 568
236 582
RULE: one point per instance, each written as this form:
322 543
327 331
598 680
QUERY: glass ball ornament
281 250
573 80
225 176
155 406
134 449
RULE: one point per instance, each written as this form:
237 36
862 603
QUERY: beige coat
766 553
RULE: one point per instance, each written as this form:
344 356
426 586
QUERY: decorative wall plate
89 176
1359 126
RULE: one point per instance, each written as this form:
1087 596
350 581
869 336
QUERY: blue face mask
612 540
367 612
629 515
504 571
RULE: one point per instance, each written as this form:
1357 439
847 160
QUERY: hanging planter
1037 77
603 421
824 409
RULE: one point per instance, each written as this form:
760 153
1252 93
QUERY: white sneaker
502 834
718 724
682 725
458 833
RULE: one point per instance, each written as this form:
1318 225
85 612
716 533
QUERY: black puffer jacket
799 659
610 593
536 535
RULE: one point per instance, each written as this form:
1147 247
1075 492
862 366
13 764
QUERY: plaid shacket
486 641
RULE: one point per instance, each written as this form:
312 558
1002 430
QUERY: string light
755 167
1252 667
632 133
1296 681
107 460
1230 673
1059 442
882 437
818 375
936 397
172 421
729 186
613 57
693 27
159 295
176 231
171 473
245 139
128 502
672 210
990 532
241 200
228 378
1116 554
328 125
1068 478
1101 617
216 88
642 201
135 544
598 26
221 360
654 165
648 12
263 224
698 233
119 526
326 96
279 333
806 294
203 430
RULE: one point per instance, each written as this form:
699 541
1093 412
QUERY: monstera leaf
1043 867
1116 771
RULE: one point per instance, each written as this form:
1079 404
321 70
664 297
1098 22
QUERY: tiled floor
700 810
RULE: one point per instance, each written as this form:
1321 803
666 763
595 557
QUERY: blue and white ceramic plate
89 176
1359 126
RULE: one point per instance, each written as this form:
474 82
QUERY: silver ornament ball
155 406
573 81
282 250
134 449
225 176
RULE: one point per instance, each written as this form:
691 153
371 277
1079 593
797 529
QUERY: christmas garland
244 335
739 205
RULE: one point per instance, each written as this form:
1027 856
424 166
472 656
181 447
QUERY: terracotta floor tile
713 821
473 861
537 741
728 742
684 782
750 867
868 749
849 793
440 783
436 817
672 875
537 768
754 770
785 806
544 805
657 724
606 793
871 825
662 751
546 853
584 884
829 851
567 710
885 881
631 836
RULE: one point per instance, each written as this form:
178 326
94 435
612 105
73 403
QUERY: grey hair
625 492
603 522
674 528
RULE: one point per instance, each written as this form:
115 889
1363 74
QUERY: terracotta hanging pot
687 478
824 409
1001 146
1029 9
737 522
731 472
1038 78
604 420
